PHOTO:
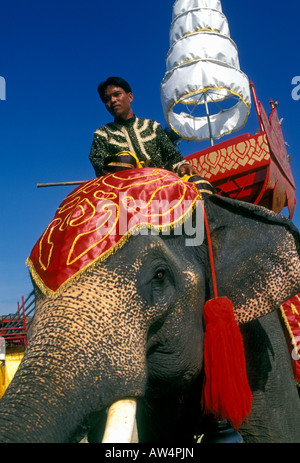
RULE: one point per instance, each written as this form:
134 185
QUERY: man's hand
187 169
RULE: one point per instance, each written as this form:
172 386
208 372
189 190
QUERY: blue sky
52 57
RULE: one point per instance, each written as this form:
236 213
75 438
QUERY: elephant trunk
34 406
69 373
27 416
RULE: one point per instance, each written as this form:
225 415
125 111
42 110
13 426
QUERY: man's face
118 102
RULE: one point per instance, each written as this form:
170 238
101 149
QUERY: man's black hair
117 82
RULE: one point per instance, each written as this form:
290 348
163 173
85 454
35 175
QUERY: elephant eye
159 274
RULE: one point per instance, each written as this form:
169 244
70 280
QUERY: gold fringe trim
287 325
53 294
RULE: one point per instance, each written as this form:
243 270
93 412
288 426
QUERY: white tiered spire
202 68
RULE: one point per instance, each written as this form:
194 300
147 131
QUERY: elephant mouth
120 424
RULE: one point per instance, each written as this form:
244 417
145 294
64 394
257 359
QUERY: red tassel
226 393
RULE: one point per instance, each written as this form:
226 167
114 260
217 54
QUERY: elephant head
119 313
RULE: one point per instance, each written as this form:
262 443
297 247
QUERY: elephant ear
256 256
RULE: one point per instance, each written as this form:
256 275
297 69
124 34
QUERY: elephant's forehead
98 217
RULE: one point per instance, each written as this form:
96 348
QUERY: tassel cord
211 259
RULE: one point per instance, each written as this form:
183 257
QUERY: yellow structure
7 372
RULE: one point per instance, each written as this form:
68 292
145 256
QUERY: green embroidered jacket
143 137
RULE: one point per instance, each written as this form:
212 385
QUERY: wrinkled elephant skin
132 327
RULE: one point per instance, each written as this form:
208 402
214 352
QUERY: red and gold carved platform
251 168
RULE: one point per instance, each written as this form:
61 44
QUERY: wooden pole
208 121
256 104
79 182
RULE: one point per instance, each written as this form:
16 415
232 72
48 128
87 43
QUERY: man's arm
98 153
172 158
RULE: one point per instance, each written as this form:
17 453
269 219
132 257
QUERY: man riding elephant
130 142
144 138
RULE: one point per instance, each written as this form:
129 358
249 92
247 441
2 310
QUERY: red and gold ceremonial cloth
290 311
99 216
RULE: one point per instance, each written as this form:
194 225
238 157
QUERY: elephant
129 325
